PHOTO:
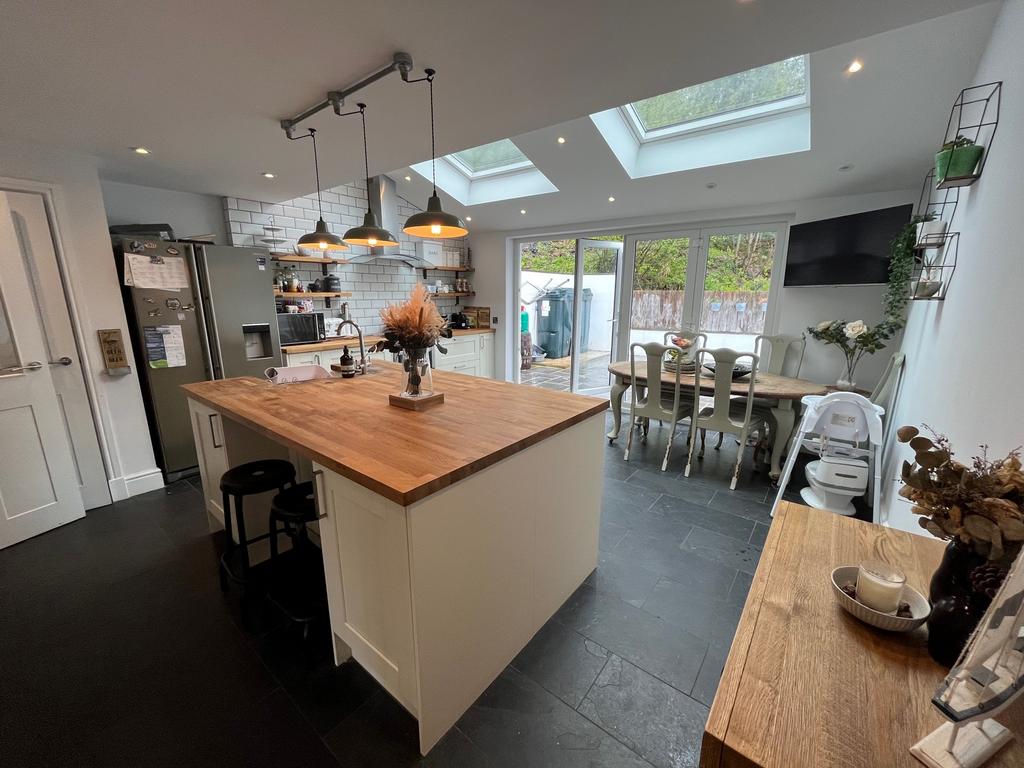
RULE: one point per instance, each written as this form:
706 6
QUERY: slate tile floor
118 648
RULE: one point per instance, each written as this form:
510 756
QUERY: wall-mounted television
848 250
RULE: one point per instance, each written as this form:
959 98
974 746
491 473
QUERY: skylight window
496 157
753 93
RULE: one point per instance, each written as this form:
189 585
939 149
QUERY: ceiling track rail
400 62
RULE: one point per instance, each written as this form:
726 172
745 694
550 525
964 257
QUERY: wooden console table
808 686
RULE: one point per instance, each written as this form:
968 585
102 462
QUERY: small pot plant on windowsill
413 328
957 159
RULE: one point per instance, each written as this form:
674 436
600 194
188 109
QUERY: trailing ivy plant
901 267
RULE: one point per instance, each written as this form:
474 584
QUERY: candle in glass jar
880 586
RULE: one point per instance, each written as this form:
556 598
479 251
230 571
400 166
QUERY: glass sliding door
566 336
596 312
659 269
735 279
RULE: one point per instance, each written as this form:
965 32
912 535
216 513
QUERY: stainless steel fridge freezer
222 323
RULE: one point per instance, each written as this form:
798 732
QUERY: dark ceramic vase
956 607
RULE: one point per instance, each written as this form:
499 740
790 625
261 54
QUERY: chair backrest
724 360
697 340
654 354
782 355
890 376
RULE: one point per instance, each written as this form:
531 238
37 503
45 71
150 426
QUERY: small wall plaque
114 358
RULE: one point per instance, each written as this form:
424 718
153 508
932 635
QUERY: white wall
82 224
799 307
964 366
187 213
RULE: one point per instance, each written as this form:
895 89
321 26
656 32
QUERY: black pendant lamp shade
321 239
371 234
434 222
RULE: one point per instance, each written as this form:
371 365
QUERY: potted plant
929 282
413 328
957 158
979 509
930 232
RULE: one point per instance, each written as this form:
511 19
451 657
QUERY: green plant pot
957 162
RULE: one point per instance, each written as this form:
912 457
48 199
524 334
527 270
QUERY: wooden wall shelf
313 294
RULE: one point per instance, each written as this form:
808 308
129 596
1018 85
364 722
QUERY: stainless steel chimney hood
383 202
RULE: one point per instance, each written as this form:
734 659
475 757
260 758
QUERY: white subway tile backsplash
236 215
272 208
250 205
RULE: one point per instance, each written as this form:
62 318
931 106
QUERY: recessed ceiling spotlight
140 150
408 178
611 199
522 211
561 139
855 66
711 184
268 175
469 218
846 167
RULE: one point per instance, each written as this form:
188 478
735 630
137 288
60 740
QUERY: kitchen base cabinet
471 354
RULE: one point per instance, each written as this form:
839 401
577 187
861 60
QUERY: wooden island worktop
449 536
348 426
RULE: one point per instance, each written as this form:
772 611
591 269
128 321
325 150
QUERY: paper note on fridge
165 346
167 273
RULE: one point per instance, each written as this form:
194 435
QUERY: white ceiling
885 121
203 85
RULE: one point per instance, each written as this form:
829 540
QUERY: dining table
782 393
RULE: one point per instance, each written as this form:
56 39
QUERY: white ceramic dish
919 606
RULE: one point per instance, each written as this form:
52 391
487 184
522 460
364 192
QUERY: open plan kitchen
511 385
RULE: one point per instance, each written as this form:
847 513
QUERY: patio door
569 310
718 280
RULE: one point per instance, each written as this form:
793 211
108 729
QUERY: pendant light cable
433 151
316 166
366 152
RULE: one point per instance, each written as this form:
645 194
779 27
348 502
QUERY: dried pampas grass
415 324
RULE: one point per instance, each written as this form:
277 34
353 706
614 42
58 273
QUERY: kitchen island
449 536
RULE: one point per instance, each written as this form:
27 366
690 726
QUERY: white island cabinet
450 536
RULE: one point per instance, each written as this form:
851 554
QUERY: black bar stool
293 509
297 589
238 482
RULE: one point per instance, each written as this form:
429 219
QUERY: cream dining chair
719 415
653 404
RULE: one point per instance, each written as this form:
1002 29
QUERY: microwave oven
301 328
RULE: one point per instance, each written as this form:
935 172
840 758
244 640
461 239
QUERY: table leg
618 390
785 420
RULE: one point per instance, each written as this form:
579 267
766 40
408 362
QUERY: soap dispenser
347 364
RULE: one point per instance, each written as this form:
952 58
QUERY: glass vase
845 382
418 380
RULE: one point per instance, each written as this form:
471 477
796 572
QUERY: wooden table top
352 342
806 684
348 426
766 385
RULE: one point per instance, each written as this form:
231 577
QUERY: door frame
577 302
56 213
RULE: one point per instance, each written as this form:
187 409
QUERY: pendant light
371 233
321 239
434 222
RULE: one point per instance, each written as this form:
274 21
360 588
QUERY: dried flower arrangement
982 505
415 324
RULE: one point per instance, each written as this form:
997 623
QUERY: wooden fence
722 311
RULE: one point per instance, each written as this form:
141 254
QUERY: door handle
60 361
317 474
33 366
213 431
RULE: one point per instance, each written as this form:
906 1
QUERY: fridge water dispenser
258 344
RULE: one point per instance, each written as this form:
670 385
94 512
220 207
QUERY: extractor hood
383 202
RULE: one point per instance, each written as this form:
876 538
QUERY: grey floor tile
563 661
611 533
622 578
709 612
656 721
634 495
666 557
673 484
517 724
616 468
759 535
706 687
741 505
704 516
715 547
663 649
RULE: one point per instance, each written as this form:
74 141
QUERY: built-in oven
301 328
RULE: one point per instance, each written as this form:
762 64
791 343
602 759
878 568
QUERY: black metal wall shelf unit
975 117
934 267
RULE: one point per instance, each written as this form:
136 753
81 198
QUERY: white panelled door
39 487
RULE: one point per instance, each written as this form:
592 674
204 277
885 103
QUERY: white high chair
836 427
